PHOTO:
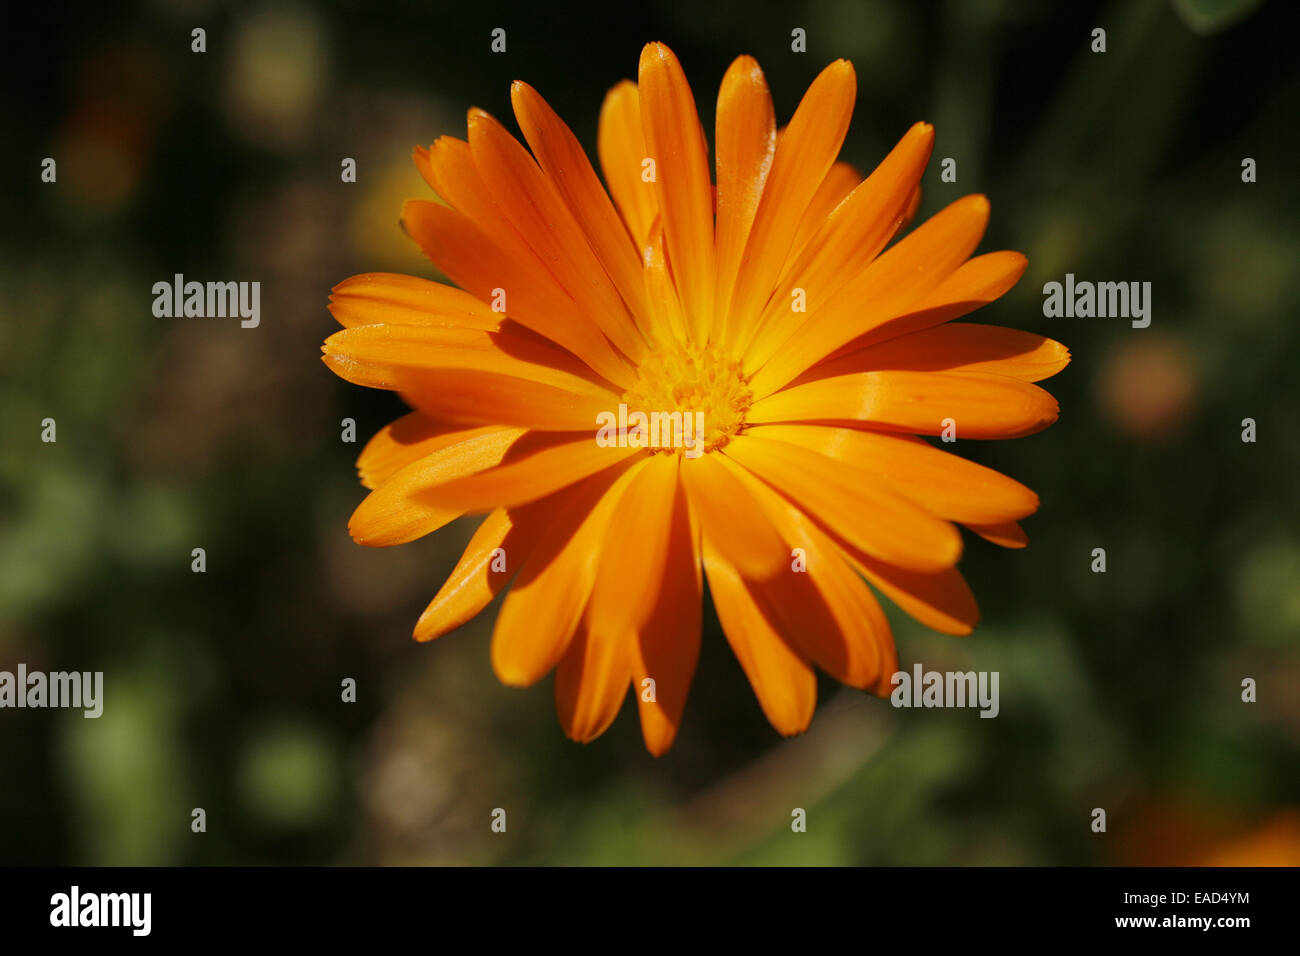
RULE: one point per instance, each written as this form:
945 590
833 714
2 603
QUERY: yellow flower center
703 386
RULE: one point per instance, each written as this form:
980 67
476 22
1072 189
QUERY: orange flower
798 353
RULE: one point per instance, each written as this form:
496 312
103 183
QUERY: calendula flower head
675 377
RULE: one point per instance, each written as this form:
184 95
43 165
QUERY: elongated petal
389 299
450 169
840 181
408 439
924 403
473 397
806 151
783 681
562 158
973 285
536 209
496 551
384 356
394 513
847 241
636 584
541 613
535 466
957 347
862 507
746 141
472 377
635 551
668 645
823 606
622 150
456 245
591 683
940 599
947 485
887 288
669 323
675 141
731 518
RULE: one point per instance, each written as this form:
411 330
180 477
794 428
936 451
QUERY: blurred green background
1118 690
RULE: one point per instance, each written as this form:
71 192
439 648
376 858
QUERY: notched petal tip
657 55
923 131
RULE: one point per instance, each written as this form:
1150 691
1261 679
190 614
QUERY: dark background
1118 690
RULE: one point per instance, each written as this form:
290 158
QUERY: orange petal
980 405
840 181
622 150
668 645
635 551
421 157
562 158
396 445
394 513
746 140
384 356
471 377
450 169
957 347
909 214
500 545
542 610
847 242
457 246
947 485
783 682
675 141
730 517
1007 534
473 397
822 605
650 529
537 465
804 154
938 599
538 212
893 283
941 600
860 506
591 683
974 285
669 322
386 298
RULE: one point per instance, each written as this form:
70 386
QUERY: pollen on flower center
689 380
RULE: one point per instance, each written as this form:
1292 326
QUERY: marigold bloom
767 305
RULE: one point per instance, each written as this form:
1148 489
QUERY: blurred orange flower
762 308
